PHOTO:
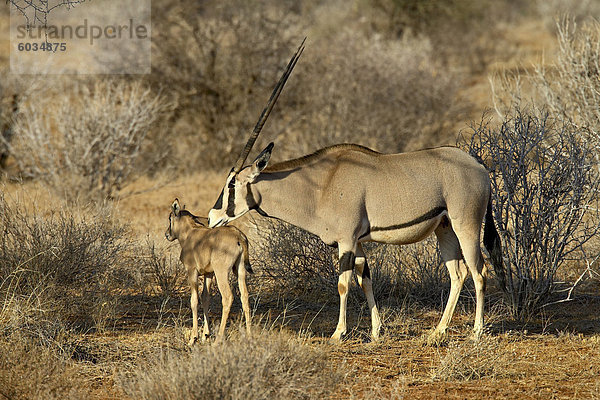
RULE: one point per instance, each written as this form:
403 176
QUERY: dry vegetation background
93 302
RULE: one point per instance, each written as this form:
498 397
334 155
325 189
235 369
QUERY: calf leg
363 276
244 292
226 300
193 282
205 305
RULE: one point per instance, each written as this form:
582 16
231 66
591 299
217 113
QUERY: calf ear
261 162
175 207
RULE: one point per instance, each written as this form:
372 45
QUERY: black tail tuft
491 241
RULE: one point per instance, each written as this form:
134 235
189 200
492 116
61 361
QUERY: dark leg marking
347 262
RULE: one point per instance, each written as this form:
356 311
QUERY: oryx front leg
363 276
193 282
346 267
205 306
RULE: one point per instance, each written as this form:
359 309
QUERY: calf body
211 253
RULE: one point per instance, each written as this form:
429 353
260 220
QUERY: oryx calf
212 253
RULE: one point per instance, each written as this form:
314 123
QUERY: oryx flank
348 194
212 253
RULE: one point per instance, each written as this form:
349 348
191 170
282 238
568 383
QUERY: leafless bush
293 261
167 277
87 139
469 360
58 272
265 366
544 195
412 272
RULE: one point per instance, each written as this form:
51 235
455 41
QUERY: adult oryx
348 194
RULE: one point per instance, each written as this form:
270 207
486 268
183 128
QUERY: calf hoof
336 338
192 341
437 338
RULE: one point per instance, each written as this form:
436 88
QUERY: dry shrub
166 276
86 138
266 366
58 271
469 360
412 272
544 200
287 259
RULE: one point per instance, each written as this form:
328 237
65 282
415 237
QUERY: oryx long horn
267 110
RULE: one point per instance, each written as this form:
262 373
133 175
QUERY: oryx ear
261 161
175 207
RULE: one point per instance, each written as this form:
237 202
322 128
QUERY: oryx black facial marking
219 203
231 198
347 261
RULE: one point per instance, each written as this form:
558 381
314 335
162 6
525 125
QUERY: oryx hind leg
347 257
469 243
451 255
363 275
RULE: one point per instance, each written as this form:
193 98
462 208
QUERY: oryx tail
491 241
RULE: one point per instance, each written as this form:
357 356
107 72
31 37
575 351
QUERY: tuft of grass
266 366
471 360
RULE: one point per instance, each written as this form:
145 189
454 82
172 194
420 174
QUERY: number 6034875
44 46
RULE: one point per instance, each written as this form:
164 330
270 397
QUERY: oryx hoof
205 337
